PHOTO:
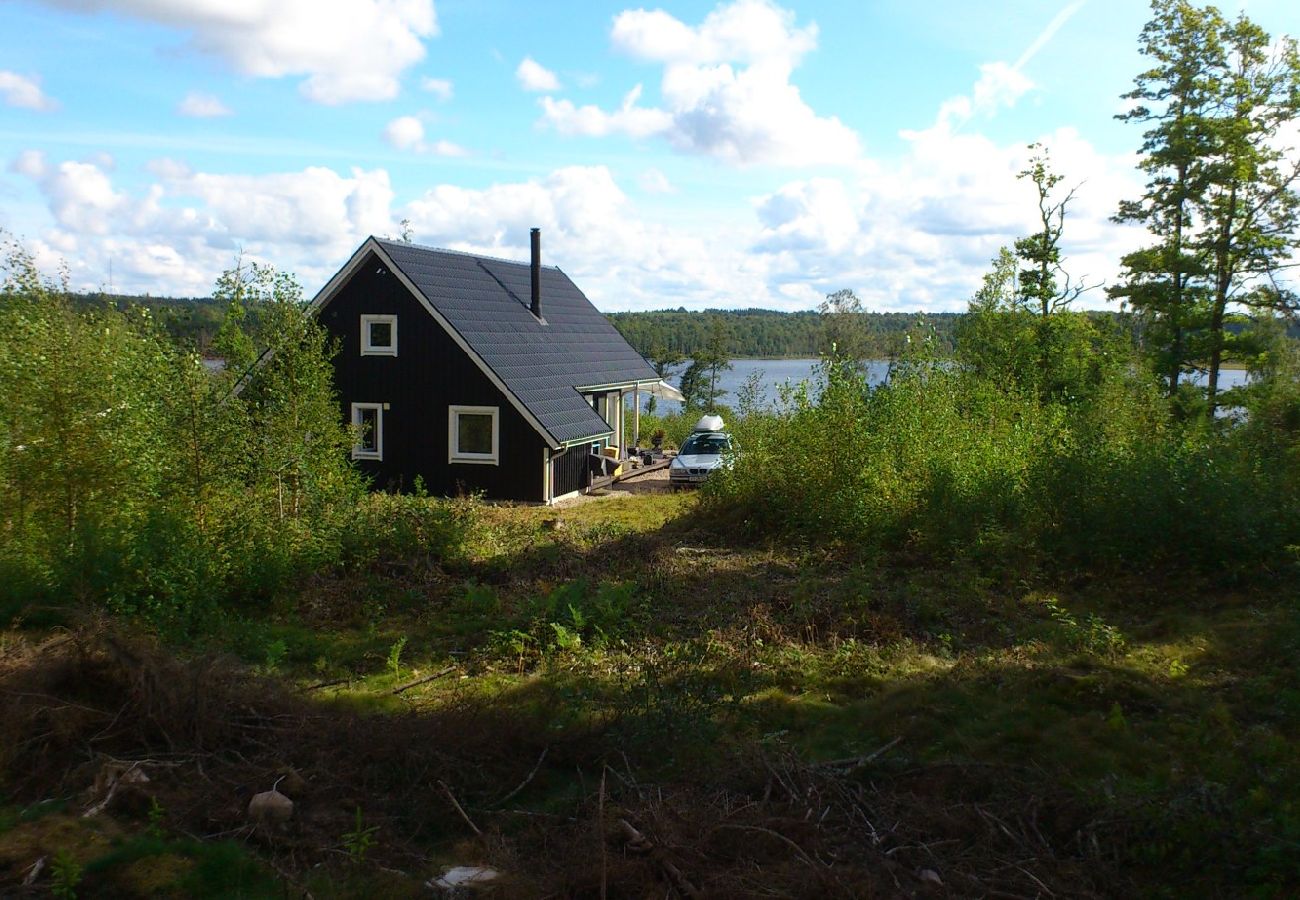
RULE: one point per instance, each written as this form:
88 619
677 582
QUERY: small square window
368 421
378 335
473 434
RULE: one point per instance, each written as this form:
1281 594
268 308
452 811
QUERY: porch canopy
661 389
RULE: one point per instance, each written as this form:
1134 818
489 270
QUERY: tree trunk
1222 284
1175 312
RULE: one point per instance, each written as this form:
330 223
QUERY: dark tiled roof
486 300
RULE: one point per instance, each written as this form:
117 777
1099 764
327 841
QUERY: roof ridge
500 259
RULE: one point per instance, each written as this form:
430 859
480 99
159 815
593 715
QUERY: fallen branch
523 784
639 843
424 680
326 684
133 774
60 703
855 762
454 802
604 851
34 872
684 887
803 854
636 841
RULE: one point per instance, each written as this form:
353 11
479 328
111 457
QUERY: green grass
1170 707
152 866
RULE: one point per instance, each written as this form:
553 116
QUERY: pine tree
1251 209
1221 197
1165 283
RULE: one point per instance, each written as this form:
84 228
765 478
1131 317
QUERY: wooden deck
607 480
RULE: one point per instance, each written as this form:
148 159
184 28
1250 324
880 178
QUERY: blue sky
748 153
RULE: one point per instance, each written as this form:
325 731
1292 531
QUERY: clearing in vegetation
625 699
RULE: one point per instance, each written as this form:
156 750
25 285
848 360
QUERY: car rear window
704 445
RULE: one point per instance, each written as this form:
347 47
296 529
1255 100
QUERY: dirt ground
655 482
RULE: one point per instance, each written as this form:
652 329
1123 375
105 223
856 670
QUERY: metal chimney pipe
536 305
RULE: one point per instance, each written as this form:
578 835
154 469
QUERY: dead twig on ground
523 784
326 684
423 680
604 851
460 809
34 872
857 762
803 854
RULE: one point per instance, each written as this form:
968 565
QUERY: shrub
947 462
134 477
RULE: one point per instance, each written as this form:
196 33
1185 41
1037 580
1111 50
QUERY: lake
776 372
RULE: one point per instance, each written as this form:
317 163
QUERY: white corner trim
454 453
358 452
369 349
547 484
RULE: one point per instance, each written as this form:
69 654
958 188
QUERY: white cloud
999 86
439 87
177 234
316 206
447 148
725 89
404 132
592 121
167 168
591 229
652 181
347 49
744 31
806 214
202 106
407 133
24 93
919 232
81 196
533 76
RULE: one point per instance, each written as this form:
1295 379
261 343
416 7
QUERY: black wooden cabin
475 374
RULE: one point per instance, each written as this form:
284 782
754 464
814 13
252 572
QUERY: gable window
368 420
473 434
378 335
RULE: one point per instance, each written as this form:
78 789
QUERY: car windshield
704 445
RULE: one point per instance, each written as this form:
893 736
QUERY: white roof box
709 423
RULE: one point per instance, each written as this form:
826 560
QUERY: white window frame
369 349
357 451
454 453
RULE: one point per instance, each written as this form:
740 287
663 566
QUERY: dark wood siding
570 471
429 374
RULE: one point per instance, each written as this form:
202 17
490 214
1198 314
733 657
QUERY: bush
406 527
133 476
944 461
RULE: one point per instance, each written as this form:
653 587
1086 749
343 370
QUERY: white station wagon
708 448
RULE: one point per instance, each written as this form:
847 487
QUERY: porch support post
622 442
636 415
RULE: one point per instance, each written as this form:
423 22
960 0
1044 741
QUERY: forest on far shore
673 334
194 322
